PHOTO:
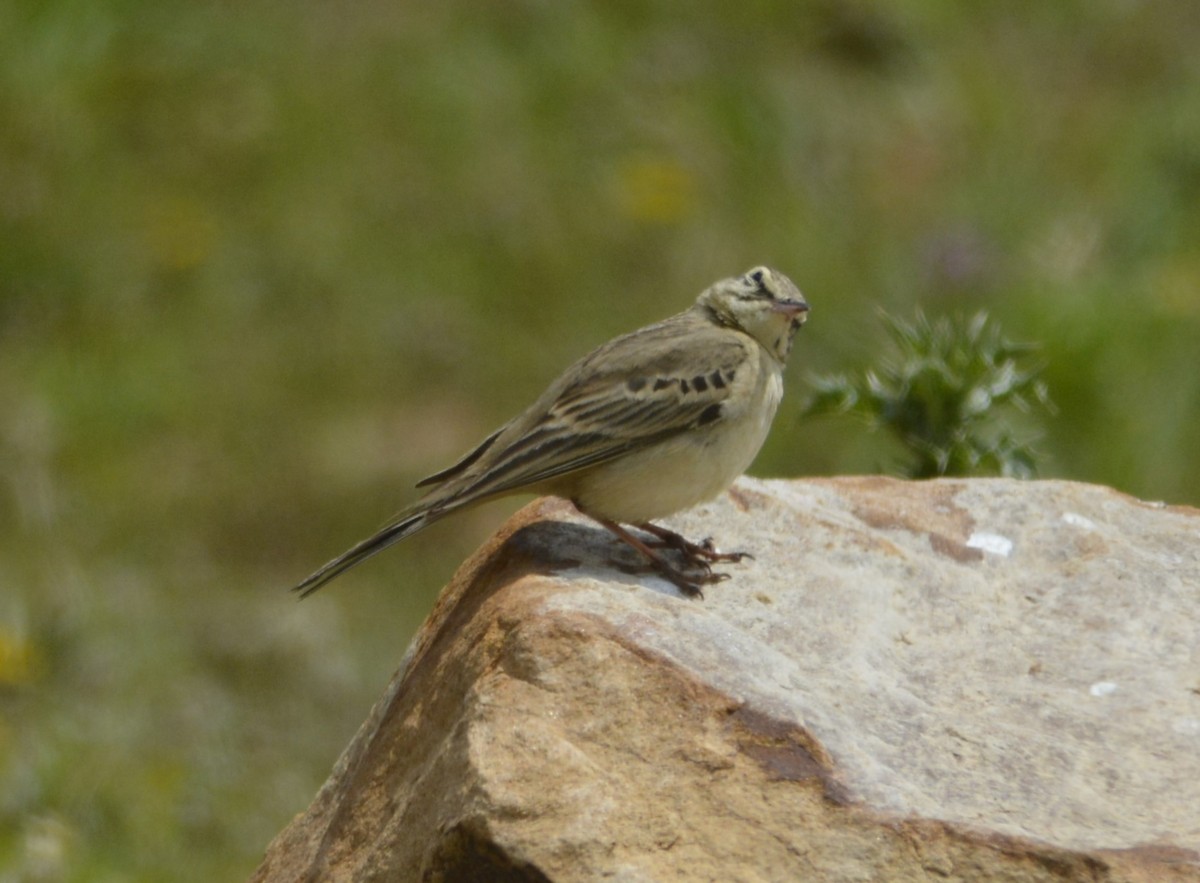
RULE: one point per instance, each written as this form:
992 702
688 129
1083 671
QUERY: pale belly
681 472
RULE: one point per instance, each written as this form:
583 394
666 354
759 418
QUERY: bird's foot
698 559
689 582
701 554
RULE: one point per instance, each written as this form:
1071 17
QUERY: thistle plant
942 392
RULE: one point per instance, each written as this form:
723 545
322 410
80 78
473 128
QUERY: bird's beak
794 309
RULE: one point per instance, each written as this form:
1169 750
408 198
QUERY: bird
649 424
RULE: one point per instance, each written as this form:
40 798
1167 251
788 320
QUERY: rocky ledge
949 680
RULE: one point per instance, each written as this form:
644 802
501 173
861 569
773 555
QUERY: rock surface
949 680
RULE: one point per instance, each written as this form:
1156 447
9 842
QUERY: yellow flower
17 660
655 191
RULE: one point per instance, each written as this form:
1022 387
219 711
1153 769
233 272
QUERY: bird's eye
755 285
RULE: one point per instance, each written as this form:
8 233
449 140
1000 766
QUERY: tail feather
393 533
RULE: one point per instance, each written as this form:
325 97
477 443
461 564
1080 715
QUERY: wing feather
602 409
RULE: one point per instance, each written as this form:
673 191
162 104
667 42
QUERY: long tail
404 526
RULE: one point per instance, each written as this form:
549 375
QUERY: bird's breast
686 469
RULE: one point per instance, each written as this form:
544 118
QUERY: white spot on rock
1187 726
1076 520
992 543
1102 688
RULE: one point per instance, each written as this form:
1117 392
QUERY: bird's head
763 303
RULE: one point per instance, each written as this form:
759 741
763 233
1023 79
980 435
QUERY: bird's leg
689 584
703 552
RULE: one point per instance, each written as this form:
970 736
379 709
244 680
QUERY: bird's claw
699 554
689 583
695 568
706 551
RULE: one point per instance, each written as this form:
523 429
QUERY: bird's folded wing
604 414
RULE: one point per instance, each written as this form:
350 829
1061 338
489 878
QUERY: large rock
950 680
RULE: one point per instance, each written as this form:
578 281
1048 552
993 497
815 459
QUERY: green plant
939 393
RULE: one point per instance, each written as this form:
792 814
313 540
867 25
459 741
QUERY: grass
263 266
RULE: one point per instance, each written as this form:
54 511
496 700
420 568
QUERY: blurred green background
263 265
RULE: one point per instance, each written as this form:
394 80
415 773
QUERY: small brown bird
647 425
